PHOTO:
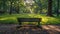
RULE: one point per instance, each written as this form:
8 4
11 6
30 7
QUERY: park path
46 29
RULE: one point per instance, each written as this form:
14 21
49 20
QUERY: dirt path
47 29
52 29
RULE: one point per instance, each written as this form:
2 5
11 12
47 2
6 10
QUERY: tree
3 6
38 2
14 6
57 8
49 13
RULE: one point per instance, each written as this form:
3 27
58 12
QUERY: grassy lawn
12 19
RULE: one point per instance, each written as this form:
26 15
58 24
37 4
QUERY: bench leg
39 25
19 25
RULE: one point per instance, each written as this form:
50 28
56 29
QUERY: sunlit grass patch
8 20
44 20
53 21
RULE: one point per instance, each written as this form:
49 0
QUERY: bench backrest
29 19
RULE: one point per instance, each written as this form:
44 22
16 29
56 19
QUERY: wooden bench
20 20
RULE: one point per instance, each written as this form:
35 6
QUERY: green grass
12 19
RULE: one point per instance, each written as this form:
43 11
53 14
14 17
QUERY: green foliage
36 7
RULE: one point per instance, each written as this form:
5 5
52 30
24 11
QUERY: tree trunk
3 5
49 13
17 9
10 8
57 8
40 8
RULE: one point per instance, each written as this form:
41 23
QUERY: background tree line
48 7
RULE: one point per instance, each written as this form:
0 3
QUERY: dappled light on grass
3 19
7 18
44 20
53 20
